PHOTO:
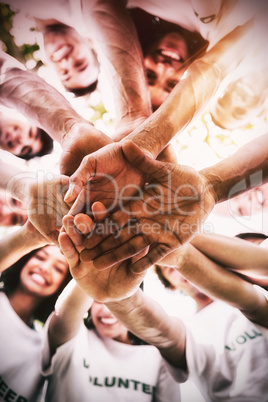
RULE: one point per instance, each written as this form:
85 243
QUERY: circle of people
77 322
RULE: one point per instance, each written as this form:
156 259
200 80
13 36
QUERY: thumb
140 160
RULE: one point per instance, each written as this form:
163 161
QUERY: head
168 50
43 274
22 138
73 58
12 211
251 202
242 100
106 324
173 280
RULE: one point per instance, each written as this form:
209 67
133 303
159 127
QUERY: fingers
99 211
131 248
152 257
141 161
68 250
80 178
84 223
76 237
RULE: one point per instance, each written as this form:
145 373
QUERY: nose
65 66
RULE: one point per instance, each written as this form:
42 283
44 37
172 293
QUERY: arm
215 281
240 255
48 109
245 169
191 95
42 193
148 320
70 309
113 30
18 243
138 313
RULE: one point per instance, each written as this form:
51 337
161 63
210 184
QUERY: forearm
216 282
45 107
146 319
14 180
247 168
16 245
191 95
114 32
70 308
234 253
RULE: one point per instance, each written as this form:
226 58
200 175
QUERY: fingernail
70 194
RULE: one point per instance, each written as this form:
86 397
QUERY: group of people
122 205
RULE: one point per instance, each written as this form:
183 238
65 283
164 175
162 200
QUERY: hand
104 176
112 284
81 140
46 207
33 236
168 214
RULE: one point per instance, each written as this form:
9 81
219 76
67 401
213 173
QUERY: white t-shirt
20 352
227 355
66 11
92 368
185 13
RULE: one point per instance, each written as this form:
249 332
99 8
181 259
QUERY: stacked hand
115 283
165 214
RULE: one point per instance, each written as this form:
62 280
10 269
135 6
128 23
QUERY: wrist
84 133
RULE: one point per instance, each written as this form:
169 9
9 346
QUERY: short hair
83 91
46 149
162 279
253 235
10 280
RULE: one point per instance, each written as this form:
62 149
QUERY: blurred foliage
22 53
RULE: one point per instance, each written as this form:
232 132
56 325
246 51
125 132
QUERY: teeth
170 54
38 279
108 321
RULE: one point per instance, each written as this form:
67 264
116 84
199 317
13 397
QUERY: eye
58 269
151 76
39 257
170 85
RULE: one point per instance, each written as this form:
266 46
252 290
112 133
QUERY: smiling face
165 63
72 56
106 324
44 273
19 137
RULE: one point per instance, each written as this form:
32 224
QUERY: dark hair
83 91
10 280
151 28
254 235
161 277
47 147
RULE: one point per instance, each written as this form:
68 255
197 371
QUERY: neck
202 301
24 305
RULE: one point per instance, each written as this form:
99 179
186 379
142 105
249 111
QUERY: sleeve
7 62
167 388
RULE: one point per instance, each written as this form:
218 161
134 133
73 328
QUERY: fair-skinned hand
46 207
166 214
81 140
